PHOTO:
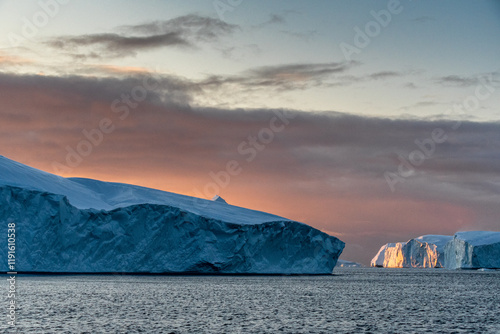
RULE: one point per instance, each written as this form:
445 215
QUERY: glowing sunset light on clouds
260 103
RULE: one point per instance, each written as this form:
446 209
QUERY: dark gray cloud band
320 140
328 166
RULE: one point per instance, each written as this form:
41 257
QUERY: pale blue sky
427 41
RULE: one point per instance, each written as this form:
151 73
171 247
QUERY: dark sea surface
366 300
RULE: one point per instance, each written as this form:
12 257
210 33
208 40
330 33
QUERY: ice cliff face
423 252
81 225
389 256
465 250
473 250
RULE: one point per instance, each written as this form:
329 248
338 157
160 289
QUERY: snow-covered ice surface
473 250
83 225
88 193
426 251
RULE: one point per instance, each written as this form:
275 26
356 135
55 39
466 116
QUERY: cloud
493 78
457 80
240 53
116 70
421 104
282 77
278 19
384 75
410 85
7 60
80 90
324 142
296 73
115 45
273 19
349 79
184 31
193 27
281 19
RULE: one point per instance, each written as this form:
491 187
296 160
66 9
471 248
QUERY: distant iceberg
88 226
464 250
426 251
473 250
348 264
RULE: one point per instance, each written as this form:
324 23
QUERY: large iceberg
88 226
473 250
426 251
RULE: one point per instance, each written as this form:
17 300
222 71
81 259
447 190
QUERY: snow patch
219 199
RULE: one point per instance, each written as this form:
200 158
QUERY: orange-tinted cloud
7 60
325 169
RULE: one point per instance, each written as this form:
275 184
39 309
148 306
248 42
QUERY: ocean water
350 301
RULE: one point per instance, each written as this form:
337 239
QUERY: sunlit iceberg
426 251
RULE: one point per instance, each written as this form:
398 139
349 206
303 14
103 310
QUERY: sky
374 121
